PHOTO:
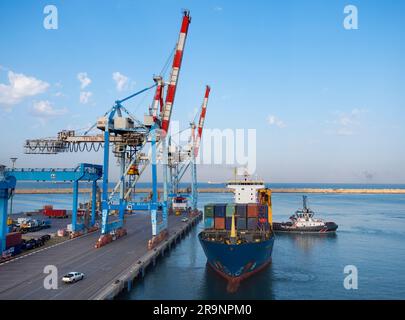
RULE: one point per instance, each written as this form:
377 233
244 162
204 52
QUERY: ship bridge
245 191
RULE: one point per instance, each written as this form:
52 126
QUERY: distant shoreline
225 190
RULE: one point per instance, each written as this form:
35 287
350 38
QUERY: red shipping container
59 213
48 212
13 239
55 213
220 223
252 210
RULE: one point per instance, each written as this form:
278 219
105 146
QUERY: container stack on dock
13 243
50 212
247 216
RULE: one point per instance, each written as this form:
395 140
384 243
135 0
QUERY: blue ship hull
236 262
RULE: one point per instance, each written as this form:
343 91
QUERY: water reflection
213 286
306 241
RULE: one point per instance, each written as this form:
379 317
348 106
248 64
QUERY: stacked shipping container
209 217
247 216
13 239
13 242
219 214
54 213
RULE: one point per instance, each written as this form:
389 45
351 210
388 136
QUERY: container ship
238 237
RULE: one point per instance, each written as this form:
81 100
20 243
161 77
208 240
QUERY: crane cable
166 65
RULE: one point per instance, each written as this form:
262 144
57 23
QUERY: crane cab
133 170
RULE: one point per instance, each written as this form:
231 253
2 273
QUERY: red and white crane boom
201 120
174 75
158 98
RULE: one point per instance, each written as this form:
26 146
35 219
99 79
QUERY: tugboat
303 221
238 237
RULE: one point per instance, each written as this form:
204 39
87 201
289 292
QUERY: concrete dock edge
125 280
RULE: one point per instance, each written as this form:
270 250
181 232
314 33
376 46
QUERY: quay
108 270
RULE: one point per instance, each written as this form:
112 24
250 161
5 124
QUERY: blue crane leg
75 203
122 188
3 218
93 203
165 178
104 202
194 184
153 207
7 185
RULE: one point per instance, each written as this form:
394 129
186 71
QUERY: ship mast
233 228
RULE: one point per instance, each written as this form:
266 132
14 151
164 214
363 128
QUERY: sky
327 103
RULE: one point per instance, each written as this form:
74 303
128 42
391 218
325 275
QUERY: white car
72 277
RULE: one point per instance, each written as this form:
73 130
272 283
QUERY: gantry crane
182 158
128 138
82 172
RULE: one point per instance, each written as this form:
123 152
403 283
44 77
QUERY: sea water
371 237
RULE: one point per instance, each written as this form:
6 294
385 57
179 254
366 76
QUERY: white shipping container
23 220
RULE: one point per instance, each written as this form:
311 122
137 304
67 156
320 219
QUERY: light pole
13 160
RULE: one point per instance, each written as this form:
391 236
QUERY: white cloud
274 121
218 8
348 122
121 81
85 96
20 86
84 79
43 110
